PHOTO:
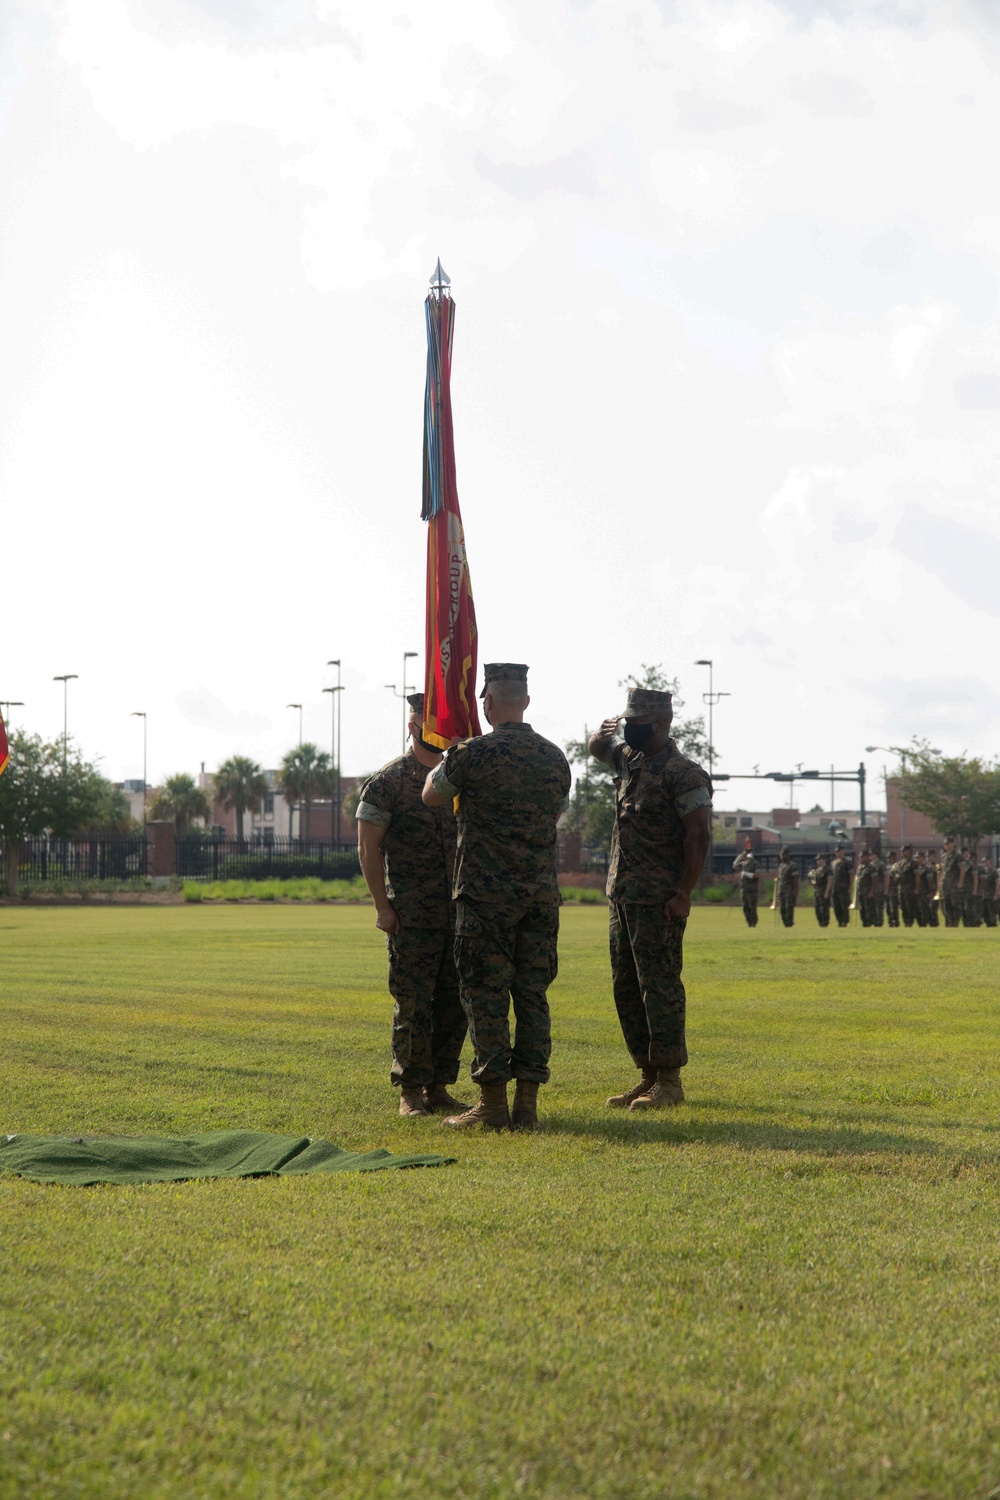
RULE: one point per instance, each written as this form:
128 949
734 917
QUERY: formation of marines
913 889
458 849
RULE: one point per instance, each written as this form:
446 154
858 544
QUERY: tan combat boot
646 1082
491 1112
524 1115
439 1101
411 1102
665 1091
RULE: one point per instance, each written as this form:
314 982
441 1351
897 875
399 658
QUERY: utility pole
340 711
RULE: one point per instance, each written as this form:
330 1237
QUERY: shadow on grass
845 1140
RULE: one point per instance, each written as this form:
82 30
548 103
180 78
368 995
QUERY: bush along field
786 1287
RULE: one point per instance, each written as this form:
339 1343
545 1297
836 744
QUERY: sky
726 374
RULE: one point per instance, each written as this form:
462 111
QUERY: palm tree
180 801
306 773
240 783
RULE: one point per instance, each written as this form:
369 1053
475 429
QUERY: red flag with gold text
450 707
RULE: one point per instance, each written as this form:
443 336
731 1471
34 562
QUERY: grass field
788 1287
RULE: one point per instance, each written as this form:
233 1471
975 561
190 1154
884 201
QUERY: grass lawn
788 1287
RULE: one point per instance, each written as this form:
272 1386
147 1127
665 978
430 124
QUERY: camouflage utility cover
653 795
503 671
512 786
648 703
419 843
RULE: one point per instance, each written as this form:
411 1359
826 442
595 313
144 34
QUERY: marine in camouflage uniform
871 877
660 841
988 886
512 786
906 877
972 915
892 894
786 888
880 890
748 869
928 890
840 870
407 853
949 884
821 882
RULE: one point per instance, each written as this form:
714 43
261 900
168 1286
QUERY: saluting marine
659 845
749 871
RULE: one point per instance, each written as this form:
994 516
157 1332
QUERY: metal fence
259 859
105 857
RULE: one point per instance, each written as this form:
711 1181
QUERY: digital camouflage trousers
647 955
507 955
428 1022
951 901
822 908
842 906
786 905
750 901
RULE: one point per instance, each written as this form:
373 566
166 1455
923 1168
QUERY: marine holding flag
452 639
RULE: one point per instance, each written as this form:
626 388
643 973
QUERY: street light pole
338 707
7 704
66 678
711 698
299 707
406 718
140 714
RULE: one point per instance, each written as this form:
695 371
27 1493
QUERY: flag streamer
450 708
4 748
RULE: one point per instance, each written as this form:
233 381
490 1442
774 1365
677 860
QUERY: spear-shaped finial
440 280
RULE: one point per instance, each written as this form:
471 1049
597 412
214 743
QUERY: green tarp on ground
84 1160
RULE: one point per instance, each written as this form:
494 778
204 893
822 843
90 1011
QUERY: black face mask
637 735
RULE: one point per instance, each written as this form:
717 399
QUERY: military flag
450 707
4 747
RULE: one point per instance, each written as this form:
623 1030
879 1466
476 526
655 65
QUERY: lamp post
336 703
291 806
7 704
711 698
335 757
407 656
66 678
140 714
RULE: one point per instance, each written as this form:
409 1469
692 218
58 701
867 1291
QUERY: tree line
49 789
